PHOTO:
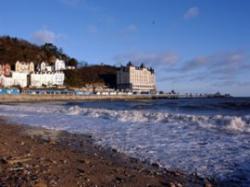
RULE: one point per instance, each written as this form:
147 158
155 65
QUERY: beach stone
176 173
172 184
36 166
85 161
155 165
65 161
208 184
52 142
33 177
40 184
146 171
179 185
81 161
80 170
3 160
118 179
53 182
114 150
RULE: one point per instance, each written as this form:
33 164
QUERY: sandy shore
42 98
38 157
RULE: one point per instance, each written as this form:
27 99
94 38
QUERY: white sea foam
233 123
210 145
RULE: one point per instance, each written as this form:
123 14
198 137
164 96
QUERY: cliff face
14 49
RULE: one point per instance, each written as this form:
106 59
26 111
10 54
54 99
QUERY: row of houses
130 78
29 67
26 74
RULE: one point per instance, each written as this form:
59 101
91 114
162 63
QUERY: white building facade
24 67
20 79
59 65
48 75
136 79
45 67
26 74
6 81
47 79
16 79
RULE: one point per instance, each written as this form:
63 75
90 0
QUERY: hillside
96 74
14 49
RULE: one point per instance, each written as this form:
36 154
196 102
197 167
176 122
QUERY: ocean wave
220 122
215 122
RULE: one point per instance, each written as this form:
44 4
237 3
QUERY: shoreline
32 156
23 98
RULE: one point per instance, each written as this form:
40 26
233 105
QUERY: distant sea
210 137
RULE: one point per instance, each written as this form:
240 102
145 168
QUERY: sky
198 46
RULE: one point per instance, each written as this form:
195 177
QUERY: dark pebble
3 161
155 165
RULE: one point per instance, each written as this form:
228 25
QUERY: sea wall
39 98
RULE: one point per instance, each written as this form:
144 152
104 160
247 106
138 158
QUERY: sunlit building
46 79
136 79
59 65
24 67
5 69
15 79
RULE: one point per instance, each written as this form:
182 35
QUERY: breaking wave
220 122
215 122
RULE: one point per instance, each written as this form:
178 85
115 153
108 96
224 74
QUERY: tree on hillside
14 49
49 47
72 62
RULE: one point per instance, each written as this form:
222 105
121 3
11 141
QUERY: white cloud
216 68
192 13
152 59
223 61
45 36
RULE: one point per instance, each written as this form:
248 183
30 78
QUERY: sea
205 136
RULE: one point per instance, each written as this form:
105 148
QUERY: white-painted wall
59 65
16 79
7 81
20 79
48 79
138 79
43 66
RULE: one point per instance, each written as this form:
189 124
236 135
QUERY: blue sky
194 45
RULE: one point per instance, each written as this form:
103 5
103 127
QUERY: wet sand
40 158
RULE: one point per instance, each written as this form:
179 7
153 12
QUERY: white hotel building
136 79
